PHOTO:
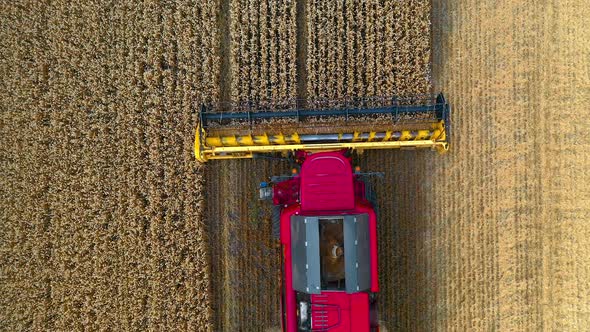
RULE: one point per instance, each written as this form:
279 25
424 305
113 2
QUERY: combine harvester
323 213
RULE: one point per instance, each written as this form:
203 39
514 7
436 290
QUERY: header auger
248 129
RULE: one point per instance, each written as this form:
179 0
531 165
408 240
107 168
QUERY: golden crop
108 223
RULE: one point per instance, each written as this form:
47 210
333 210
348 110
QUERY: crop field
108 222
101 199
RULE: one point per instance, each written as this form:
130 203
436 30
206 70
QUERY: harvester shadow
244 258
403 224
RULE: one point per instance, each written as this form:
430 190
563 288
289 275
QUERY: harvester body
328 232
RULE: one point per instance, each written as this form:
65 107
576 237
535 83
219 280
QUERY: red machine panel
340 312
326 183
329 191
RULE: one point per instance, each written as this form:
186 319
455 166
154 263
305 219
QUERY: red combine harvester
328 231
324 213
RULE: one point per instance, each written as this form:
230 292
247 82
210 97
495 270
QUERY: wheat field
108 223
101 200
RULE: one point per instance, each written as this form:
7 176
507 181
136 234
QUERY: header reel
245 130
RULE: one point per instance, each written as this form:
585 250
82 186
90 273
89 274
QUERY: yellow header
245 146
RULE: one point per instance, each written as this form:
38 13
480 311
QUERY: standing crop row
263 46
368 48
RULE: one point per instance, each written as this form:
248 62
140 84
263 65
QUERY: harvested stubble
502 242
100 196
